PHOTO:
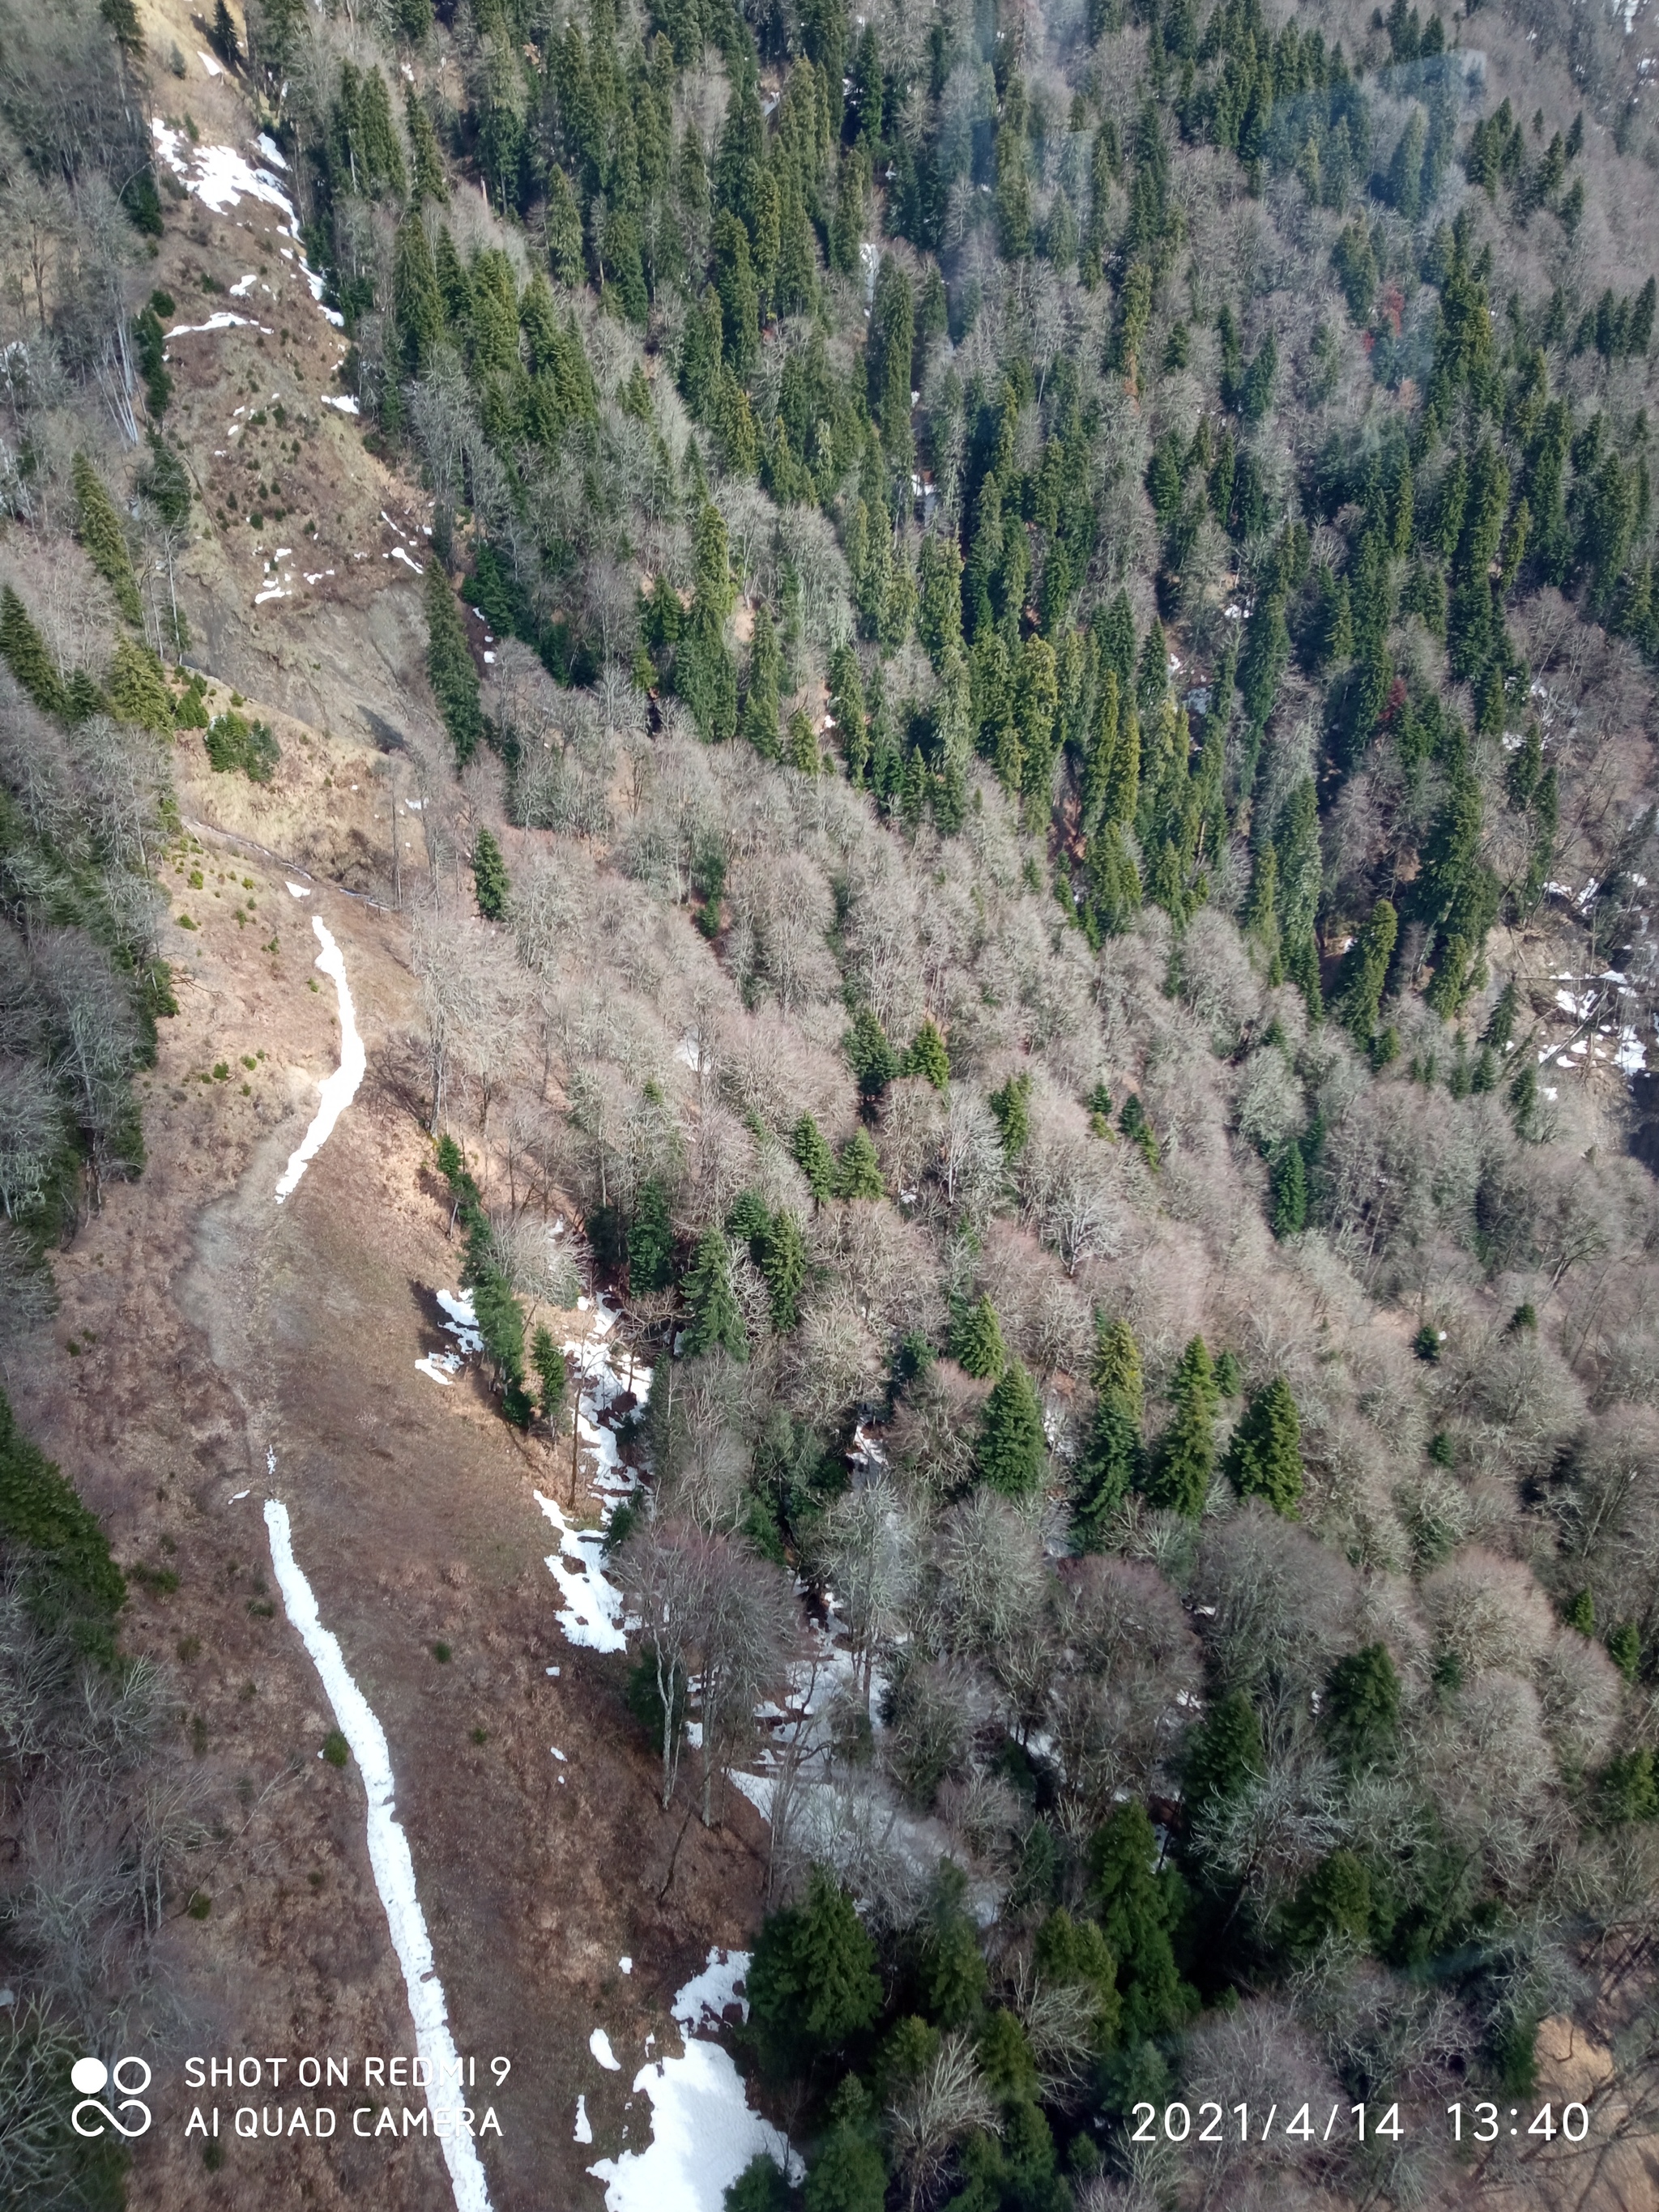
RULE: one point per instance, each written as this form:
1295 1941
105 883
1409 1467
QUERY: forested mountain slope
1023 643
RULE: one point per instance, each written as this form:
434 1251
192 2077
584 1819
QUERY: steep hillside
825 847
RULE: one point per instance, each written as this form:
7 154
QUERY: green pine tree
1011 1105
548 1361
715 1318
928 1056
449 667
812 1983
813 1157
1074 1953
1111 1460
781 1255
758 722
1012 1448
1365 971
1289 1176
650 1240
1264 1459
1361 1714
976 1343
1334 1900
490 876
1224 1753
430 182
1137 1908
873 1060
1179 1480
25 655
859 1175
99 527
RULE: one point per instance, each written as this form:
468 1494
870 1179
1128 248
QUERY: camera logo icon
91 2077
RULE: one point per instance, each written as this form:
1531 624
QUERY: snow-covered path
389 1856
339 1088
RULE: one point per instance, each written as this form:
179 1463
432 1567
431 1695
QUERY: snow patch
344 401
592 1615
599 2043
388 1852
208 63
219 178
224 321
584 2129
702 2131
463 1321
339 1088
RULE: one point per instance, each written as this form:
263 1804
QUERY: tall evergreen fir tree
490 876
813 1157
858 1173
1138 1909
976 1343
1110 1463
1012 1448
1224 1753
449 667
650 1240
101 534
1179 1480
25 655
782 1258
1264 1457
716 1319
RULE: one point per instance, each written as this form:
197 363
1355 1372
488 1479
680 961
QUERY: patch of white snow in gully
388 1854
592 1612
702 2131
339 1088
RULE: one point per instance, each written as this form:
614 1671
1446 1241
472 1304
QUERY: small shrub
200 1905
336 1750
442 1653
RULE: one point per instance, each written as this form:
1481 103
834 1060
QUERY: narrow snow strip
430 1366
599 2043
584 2126
298 890
388 1852
702 2131
222 320
339 1088
208 63
345 403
